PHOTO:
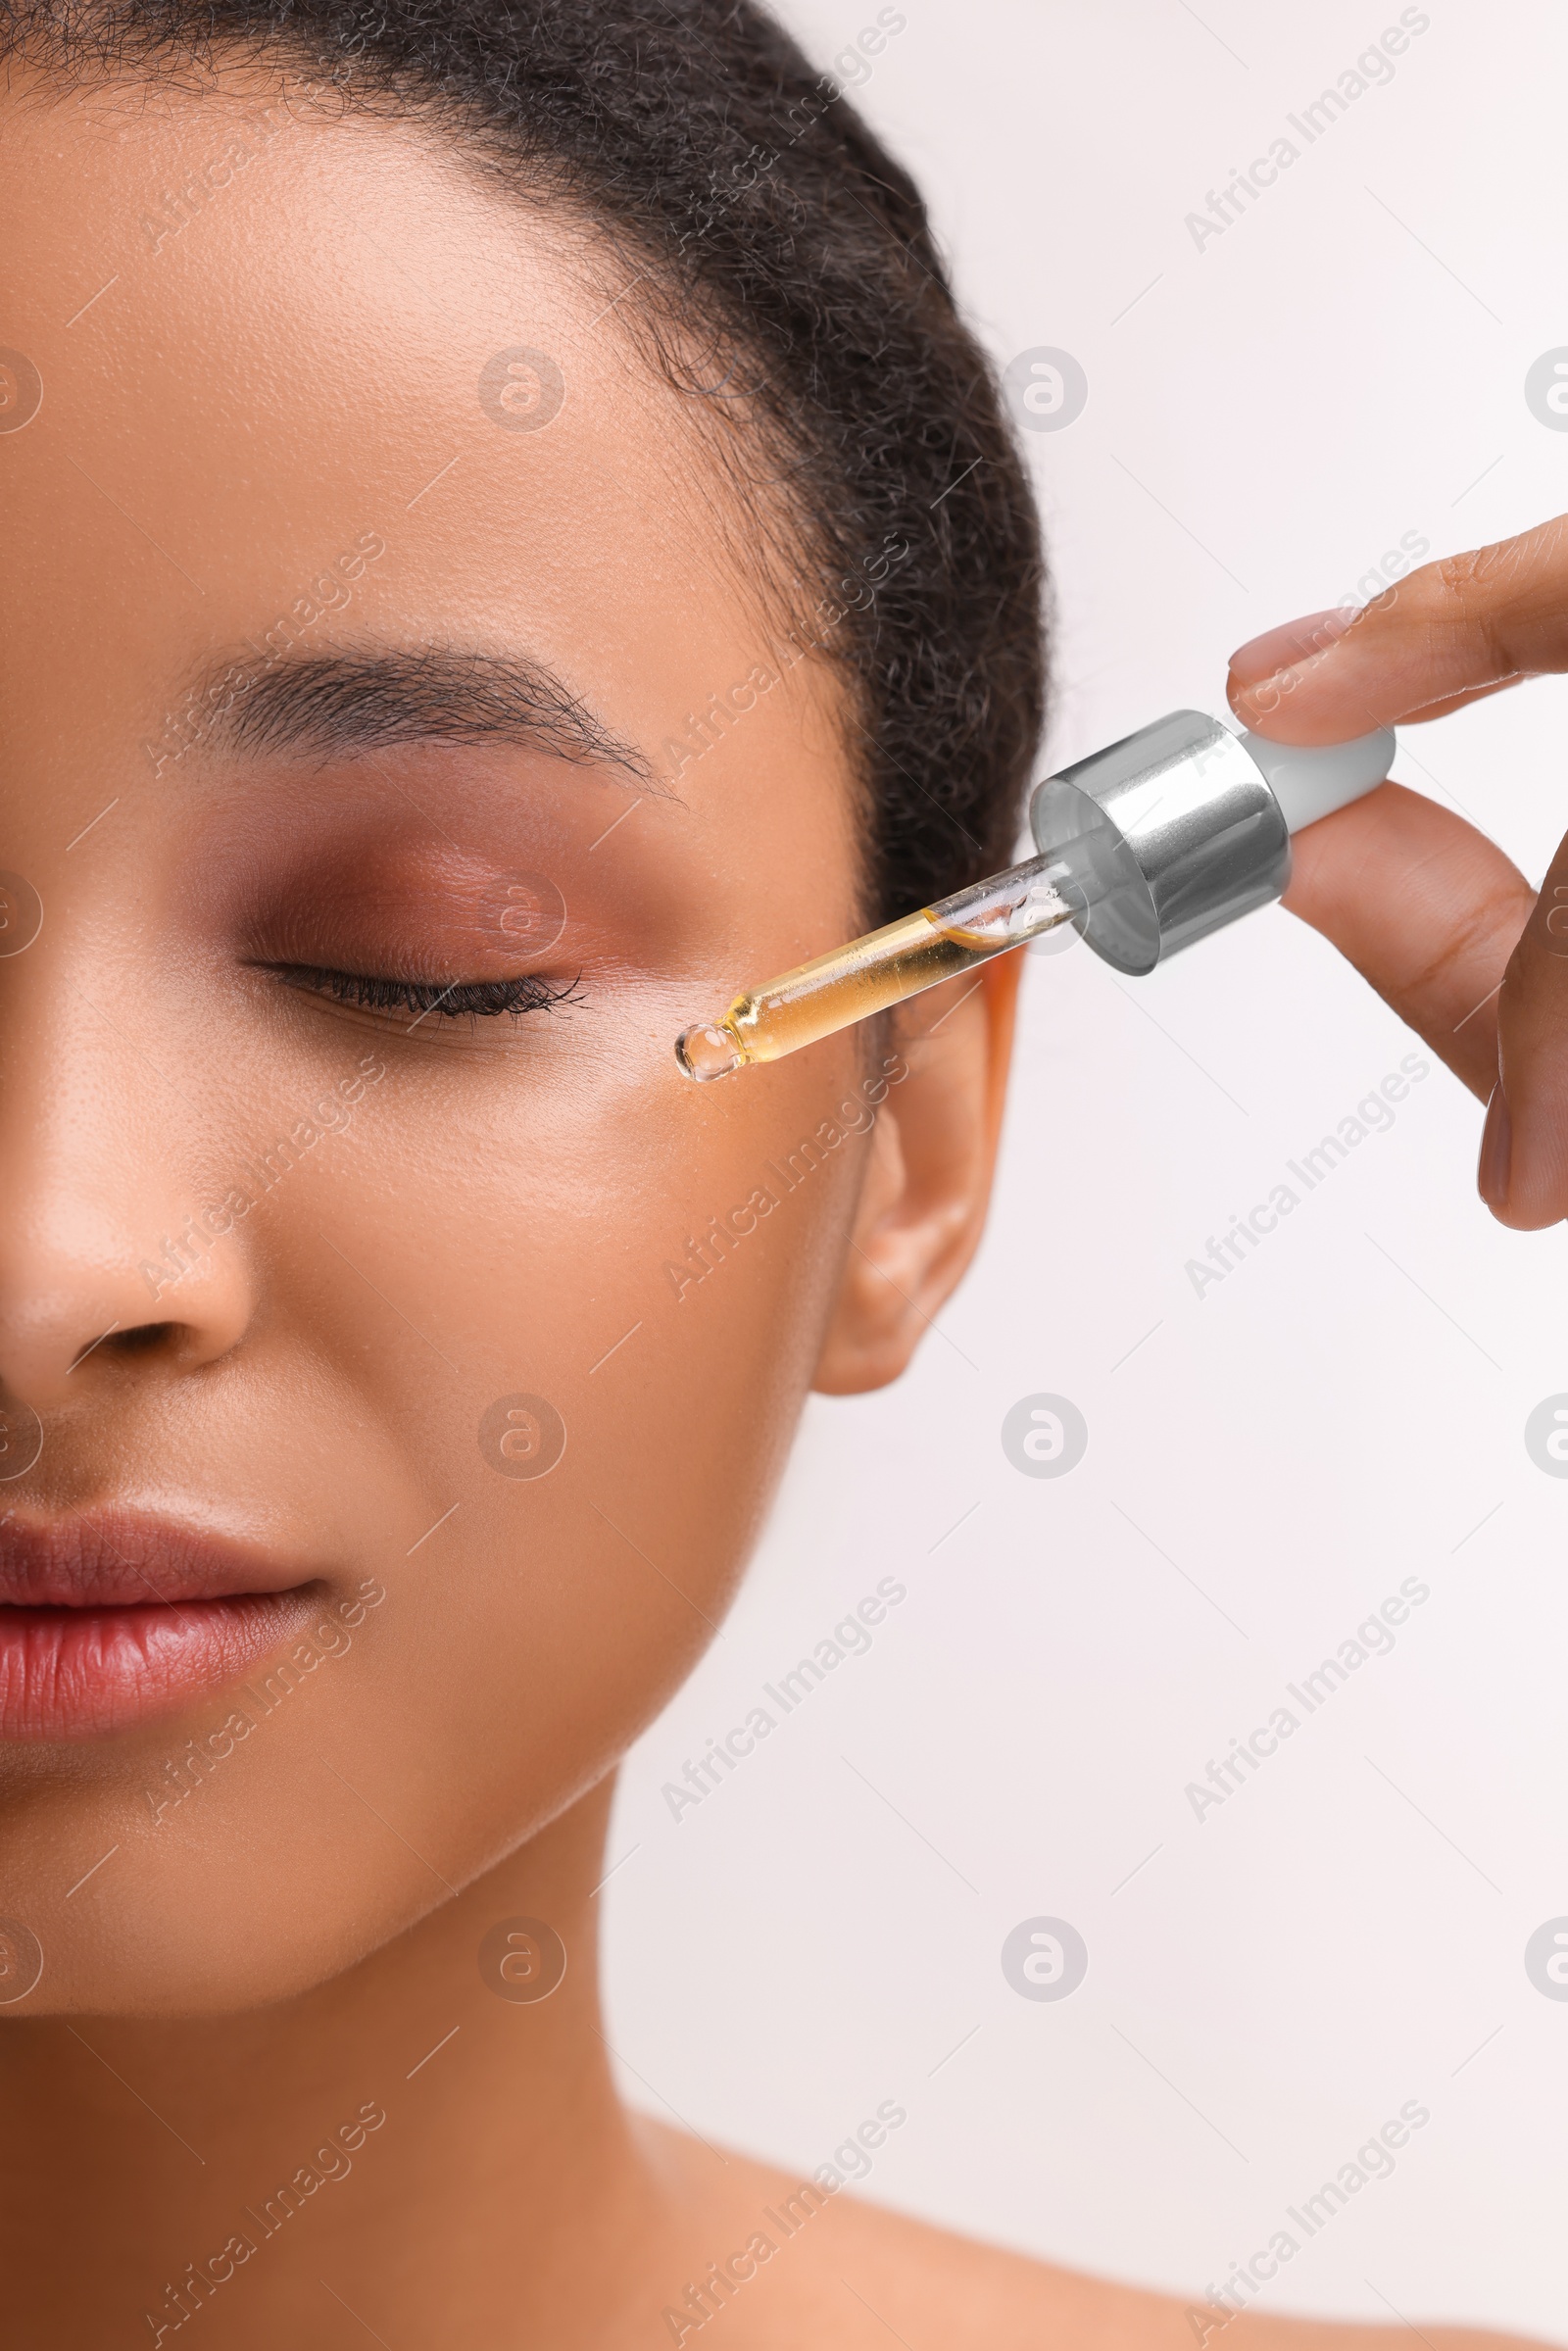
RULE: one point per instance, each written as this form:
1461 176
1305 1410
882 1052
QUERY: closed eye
481 998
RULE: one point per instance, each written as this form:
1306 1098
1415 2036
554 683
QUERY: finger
1281 649
1524 1167
1450 633
1427 909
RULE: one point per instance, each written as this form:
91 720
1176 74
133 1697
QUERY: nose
111 1253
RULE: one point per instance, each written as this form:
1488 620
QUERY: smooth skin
1443 924
230 410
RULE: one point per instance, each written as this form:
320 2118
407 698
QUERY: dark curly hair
774 232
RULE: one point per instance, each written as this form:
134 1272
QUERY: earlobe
923 1205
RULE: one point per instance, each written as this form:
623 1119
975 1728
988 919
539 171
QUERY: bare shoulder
786 2260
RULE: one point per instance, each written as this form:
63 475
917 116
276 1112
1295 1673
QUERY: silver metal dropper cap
1179 829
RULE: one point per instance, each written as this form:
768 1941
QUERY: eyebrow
327 704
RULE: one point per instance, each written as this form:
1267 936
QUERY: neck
406 2143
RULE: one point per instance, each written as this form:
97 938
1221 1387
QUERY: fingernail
1497 1150
1278 650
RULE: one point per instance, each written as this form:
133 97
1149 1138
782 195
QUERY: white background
1266 416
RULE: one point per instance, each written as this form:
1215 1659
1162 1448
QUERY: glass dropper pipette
881 969
1153 843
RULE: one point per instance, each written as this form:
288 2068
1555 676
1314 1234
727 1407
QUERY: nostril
140 1339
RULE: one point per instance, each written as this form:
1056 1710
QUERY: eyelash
476 999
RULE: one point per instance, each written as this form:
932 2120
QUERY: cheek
612 1368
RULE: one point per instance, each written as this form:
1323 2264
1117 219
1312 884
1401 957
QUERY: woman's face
370 609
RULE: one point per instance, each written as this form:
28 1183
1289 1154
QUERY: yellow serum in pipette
879 970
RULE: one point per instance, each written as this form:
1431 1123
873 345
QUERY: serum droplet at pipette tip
707 1052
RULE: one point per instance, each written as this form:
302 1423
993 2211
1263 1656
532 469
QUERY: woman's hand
1427 909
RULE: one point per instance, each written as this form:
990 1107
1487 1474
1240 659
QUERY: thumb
1427 909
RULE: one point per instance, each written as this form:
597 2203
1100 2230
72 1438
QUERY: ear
922 1205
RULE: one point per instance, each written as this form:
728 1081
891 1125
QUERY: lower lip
80 1673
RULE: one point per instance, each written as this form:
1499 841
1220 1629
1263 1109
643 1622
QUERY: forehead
265 331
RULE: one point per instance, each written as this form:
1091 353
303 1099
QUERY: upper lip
127 1558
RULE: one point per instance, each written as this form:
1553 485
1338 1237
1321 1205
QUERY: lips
111 1619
